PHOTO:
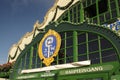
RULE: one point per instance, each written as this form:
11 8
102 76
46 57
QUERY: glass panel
69 55
61 61
34 53
38 62
81 38
61 56
69 41
69 51
114 13
34 58
102 18
74 14
105 44
92 36
35 46
27 63
113 5
27 60
82 49
107 16
33 62
75 19
102 4
109 55
93 46
82 58
71 15
69 59
20 64
62 51
95 58
69 34
62 44
28 54
90 11
62 34
88 2
78 12
23 62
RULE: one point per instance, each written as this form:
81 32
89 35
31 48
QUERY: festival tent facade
78 40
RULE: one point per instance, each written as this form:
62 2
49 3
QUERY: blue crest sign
49 47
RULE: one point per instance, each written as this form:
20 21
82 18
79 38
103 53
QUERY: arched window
90 46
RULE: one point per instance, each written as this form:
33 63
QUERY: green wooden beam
75 47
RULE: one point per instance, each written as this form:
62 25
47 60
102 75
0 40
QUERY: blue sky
18 17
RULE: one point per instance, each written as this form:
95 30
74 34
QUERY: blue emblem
49 46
